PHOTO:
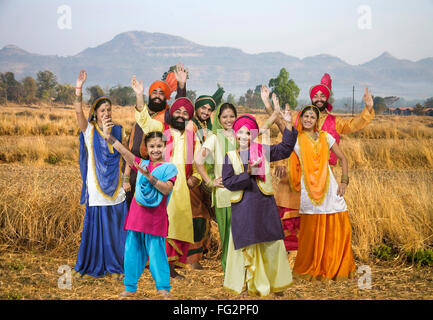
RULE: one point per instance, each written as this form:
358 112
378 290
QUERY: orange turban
161 85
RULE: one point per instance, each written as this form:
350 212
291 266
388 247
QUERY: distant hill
149 55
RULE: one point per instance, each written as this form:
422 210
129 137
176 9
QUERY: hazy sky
356 31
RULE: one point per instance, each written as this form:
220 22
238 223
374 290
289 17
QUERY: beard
157 106
322 108
179 125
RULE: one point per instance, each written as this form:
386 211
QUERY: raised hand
287 114
138 87
264 93
368 99
276 102
181 73
81 79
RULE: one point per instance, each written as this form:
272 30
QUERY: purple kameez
255 218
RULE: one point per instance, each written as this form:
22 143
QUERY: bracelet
125 179
345 180
153 180
79 88
210 184
79 98
110 139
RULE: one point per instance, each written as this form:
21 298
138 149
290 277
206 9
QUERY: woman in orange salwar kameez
325 249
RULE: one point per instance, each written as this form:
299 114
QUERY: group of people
187 163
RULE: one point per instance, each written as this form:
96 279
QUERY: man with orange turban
181 147
159 93
288 171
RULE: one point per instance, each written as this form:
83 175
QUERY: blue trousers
139 248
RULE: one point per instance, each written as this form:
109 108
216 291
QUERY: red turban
325 87
183 102
256 151
163 86
248 121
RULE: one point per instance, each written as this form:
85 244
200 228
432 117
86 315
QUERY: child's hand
126 186
144 171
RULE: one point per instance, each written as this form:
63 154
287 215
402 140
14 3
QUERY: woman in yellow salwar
325 250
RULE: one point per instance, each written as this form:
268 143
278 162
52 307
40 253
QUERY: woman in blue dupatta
103 237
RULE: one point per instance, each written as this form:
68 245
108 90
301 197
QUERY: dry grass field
389 198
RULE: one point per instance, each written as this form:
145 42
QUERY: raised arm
359 122
138 88
181 74
164 187
264 93
78 103
146 122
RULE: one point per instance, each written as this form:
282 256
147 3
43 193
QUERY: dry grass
389 197
35 276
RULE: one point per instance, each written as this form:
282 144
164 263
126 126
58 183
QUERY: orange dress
325 236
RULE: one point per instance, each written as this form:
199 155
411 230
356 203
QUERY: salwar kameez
256 252
325 249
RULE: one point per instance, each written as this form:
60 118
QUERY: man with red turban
181 147
159 93
288 197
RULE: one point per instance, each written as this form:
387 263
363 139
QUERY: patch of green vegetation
53 159
384 252
16 265
421 258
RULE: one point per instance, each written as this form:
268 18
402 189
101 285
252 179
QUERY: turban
182 102
256 152
247 121
163 86
213 100
325 87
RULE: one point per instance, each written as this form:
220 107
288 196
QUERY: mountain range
149 55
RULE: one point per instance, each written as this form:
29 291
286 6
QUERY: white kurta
96 198
332 203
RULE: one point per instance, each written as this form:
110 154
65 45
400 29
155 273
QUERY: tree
65 93
429 103
47 83
285 88
419 109
242 101
379 105
13 89
122 96
30 89
390 101
231 99
94 92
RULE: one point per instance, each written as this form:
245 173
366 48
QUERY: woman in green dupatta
213 151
